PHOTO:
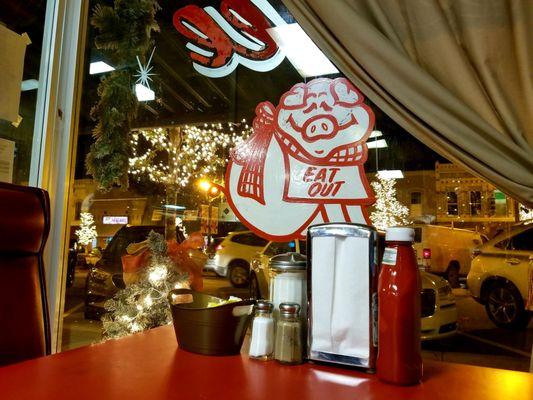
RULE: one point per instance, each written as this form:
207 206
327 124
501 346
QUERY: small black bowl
214 331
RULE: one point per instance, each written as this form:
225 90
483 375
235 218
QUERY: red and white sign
237 34
304 163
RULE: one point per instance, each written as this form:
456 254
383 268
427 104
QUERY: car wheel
238 274
255 292
452 275
505 306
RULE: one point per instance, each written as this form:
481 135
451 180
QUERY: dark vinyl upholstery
24 228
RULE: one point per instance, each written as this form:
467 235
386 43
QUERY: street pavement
479 341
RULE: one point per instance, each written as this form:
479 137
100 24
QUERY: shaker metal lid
264 306
400 234
288 262
289 308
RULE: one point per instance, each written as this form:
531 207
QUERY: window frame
53 150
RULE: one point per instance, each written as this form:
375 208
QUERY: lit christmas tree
388 210
87 231
143 305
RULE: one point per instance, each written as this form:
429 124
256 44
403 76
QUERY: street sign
226 214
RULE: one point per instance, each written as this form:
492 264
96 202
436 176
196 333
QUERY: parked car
439 312
500 276
105 278
233 255
446 251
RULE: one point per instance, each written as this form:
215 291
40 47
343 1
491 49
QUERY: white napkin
323 257
340 295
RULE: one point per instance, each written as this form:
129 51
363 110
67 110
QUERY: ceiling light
377 144
143 93
390 174
300 50
30 84
375 134
99 67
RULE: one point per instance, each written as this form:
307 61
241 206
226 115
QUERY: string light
198 152
157 275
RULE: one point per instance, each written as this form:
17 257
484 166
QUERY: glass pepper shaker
288 348
262 343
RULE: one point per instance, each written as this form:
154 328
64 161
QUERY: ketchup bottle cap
399 234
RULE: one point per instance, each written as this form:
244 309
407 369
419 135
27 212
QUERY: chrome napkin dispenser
342 293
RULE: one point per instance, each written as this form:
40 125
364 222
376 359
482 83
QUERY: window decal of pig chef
304 163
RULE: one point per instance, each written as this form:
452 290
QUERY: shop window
452 204
498 204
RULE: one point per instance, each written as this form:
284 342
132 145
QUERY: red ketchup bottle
399 356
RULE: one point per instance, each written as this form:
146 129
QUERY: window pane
453 208
498 204
21 37
249 239
196 107
523 241
475 203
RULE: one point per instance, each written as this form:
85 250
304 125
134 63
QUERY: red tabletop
150 366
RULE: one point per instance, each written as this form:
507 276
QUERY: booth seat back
24 228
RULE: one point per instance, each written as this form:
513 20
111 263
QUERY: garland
124 32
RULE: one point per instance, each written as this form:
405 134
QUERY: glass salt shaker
288 348
262 343
288 283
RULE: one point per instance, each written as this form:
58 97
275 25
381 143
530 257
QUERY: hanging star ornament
144 72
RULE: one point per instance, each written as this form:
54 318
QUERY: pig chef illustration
303 164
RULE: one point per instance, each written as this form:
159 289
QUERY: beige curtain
456 74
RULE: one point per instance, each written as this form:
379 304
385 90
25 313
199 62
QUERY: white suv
499 277
233 255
